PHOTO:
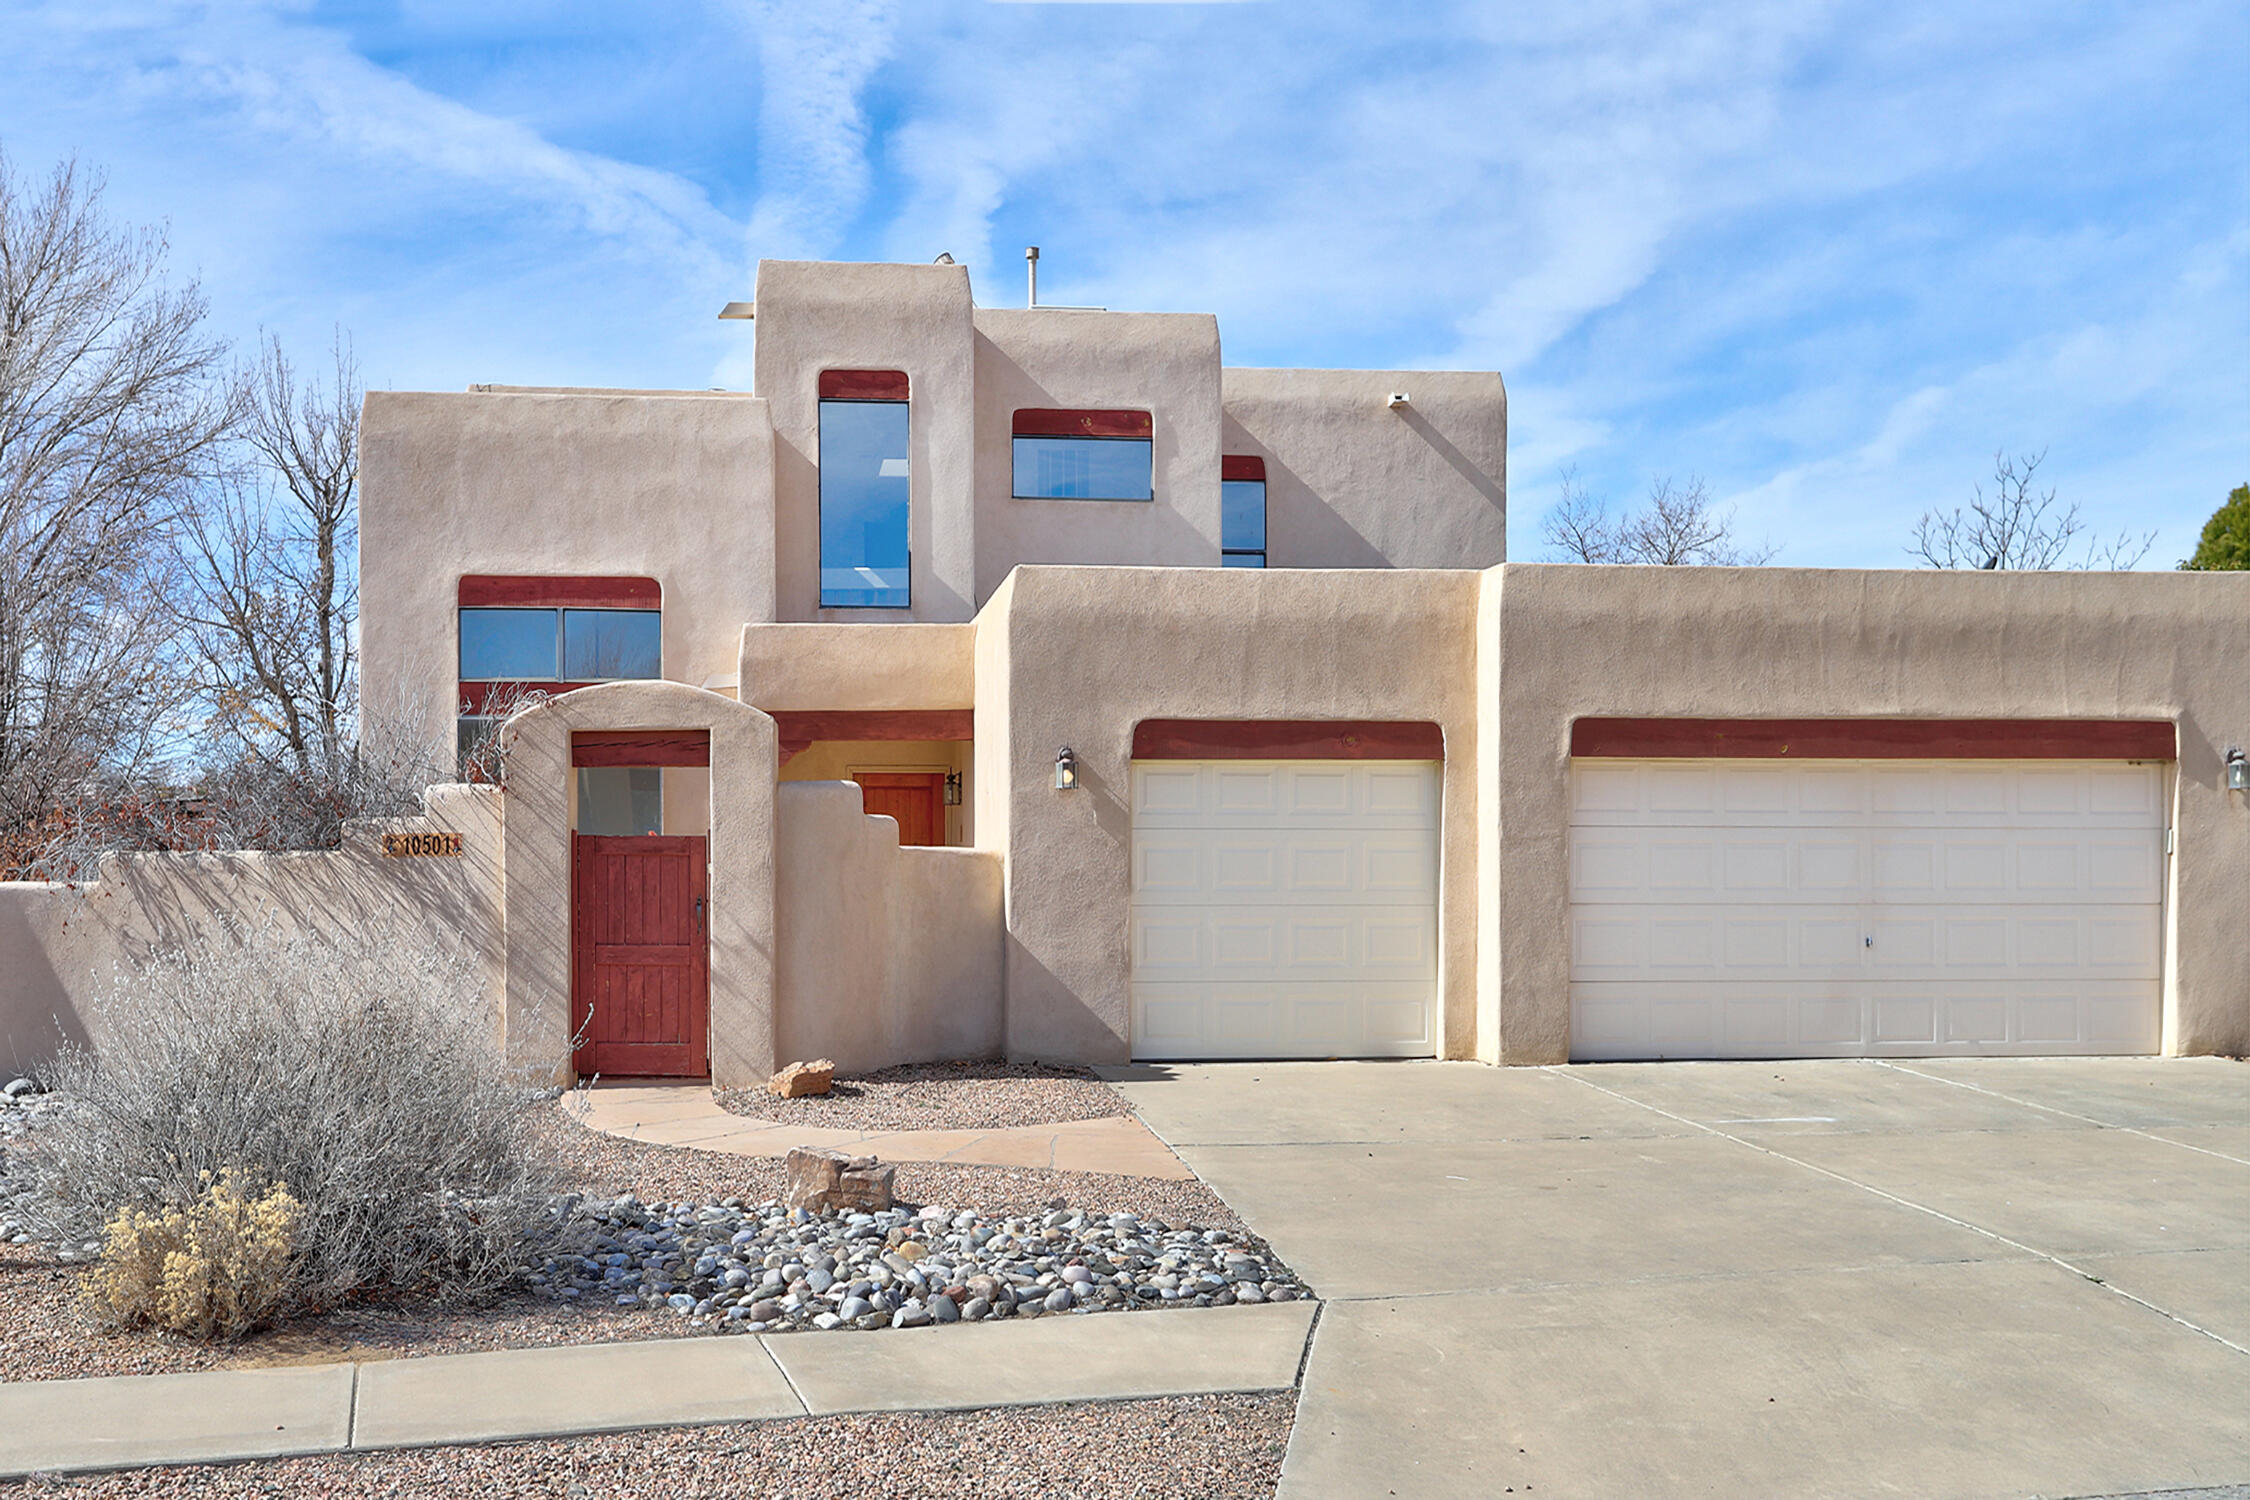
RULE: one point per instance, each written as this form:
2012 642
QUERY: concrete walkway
687 1115
1966 1278
64 1426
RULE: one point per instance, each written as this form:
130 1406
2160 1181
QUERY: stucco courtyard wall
887 955
1801 643
62 948
740 898
1080 656
677 487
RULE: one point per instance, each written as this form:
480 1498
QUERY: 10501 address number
408 845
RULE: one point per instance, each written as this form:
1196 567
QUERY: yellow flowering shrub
217 1268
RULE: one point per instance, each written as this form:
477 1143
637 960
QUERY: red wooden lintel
1052 422
1242 466
863 385
1877 739
641 747
495 589
1287 739
802 726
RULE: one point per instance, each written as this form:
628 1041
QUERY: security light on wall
1066 770
2238 770
1398 399
953 789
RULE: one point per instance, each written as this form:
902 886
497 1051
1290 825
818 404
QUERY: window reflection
1242 523
864 499
1083 468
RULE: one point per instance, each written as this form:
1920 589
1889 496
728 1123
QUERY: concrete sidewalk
686 1115
65 1426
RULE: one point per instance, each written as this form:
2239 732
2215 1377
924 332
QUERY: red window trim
863 385
475 692
1057 422
1877 739
487 590
1242 466
1287 739
641 747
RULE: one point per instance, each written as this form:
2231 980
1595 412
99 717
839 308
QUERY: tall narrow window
1083 455
1242 511
864 489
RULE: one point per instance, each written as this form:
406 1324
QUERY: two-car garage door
1755 908
1284 908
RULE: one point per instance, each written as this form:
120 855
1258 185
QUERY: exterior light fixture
744 311
2238 770
1398 400
1066 770
953 789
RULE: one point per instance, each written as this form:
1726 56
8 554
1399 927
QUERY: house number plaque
409 845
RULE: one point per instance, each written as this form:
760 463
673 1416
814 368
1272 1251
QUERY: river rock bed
763 1269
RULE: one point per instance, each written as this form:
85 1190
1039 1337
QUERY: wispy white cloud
813 173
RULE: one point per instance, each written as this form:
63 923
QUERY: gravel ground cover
1219 1447
941 1096
48 1333
761 1268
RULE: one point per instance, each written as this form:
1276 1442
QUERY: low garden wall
63 946
886 954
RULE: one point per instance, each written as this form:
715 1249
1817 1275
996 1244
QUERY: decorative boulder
829 1182
803 1078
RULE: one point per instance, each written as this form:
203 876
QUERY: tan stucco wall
858 666
1353 483
1164 363
887 955
1802 643
1079 656
61 948
741 900
815 316
672 487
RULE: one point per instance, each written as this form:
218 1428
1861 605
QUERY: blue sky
1826 256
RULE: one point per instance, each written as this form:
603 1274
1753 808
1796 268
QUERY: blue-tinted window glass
1083 468
1242 515
863 504
508 645
604 643
1242 559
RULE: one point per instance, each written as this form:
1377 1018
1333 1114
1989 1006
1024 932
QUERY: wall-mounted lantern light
953 789
1066 770
2238 771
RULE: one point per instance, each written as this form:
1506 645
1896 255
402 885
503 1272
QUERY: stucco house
1028 681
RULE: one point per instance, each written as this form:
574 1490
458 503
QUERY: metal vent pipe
1031 263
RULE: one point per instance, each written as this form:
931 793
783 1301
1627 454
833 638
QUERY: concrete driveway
1979 1278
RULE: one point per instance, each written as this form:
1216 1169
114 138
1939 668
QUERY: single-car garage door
1749 908
1284 908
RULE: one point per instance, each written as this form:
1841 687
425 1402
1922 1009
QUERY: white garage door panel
1284 908
1836 908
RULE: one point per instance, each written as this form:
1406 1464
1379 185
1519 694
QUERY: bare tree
1678 527
2019 527
273 605
113 406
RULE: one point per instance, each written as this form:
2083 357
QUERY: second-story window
1242 511
865 493
520 635
1083 455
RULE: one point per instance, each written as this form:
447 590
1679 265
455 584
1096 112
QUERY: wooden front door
640 965
915 799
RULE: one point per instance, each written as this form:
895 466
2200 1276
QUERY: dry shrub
218 1268
363 1072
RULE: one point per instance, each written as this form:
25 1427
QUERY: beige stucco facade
1039 624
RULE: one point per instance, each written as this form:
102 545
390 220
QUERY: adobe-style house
1027 681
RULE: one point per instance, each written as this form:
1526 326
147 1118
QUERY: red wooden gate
640 964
